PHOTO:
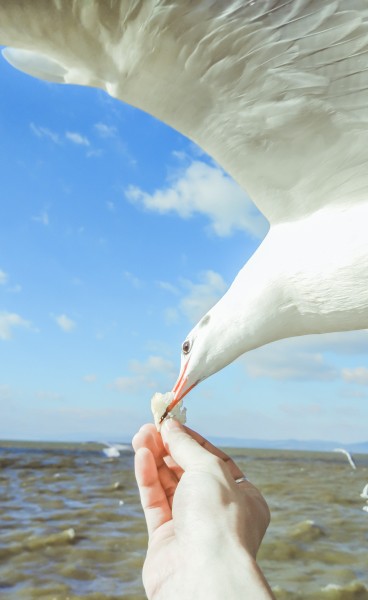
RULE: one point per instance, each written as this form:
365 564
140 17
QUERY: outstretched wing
35 64
275 90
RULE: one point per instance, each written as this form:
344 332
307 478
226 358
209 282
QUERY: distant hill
313 445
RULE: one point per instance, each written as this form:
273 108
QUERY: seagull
276 91
113 450
348 456
364 493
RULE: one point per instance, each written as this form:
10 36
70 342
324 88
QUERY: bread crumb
159 402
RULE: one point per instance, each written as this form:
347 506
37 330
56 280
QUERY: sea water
71 525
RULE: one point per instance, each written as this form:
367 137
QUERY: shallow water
72 527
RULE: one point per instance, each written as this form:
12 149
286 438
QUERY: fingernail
170 424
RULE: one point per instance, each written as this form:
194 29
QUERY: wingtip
35 64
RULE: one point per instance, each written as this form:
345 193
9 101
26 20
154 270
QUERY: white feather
35 64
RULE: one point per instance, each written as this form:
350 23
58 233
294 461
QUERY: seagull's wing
35 64
348 456
364 493
275 90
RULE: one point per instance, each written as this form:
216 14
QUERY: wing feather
275 90
304 123
35 64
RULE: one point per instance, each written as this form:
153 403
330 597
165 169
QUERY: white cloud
77 281
15 289
284 360
72 136
91 378
208 190
171 315
42 218
8 321
133 280
153 364
95 153
65 323
353 393
168 287
6 394
342 343
44 132
154 373
77 138
180 155
196 297
357 375
202 296
124 384
105 131
48 396
308 357
301 409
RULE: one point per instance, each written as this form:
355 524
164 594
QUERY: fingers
181 446
168 471
232 466
178 445
148 437
190 450
154 500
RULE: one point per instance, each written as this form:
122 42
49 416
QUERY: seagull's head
203 353
246 317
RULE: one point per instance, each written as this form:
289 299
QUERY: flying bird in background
348 456
276 91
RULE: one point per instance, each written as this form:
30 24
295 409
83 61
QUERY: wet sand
72 526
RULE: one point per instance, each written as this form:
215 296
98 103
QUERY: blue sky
116 235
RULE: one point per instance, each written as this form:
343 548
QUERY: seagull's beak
180 389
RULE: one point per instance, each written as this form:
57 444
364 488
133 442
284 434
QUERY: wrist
229 573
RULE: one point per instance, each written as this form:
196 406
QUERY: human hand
204 529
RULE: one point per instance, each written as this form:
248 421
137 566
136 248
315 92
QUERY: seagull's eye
186 347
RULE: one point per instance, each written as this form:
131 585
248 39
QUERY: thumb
186 452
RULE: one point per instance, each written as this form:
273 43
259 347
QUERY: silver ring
241 479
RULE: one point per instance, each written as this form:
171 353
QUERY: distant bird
277 92
113 450
348 456
364 493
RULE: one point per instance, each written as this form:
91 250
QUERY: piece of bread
159 402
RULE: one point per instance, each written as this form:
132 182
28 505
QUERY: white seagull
348 456
276 91
113 450
364 493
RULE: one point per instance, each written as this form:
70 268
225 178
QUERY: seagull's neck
306 277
